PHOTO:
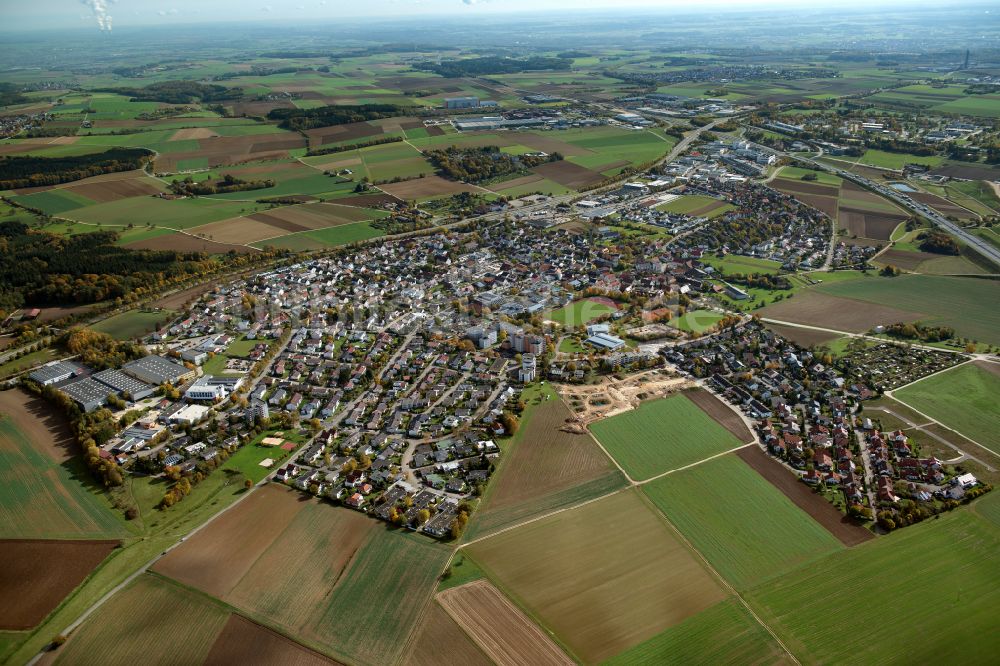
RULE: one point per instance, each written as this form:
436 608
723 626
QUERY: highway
900 198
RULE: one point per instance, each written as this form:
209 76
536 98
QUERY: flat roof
87 390
155 370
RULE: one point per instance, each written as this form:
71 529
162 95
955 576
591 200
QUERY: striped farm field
662 435
603 577
718 506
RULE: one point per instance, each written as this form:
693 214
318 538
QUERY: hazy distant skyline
108 14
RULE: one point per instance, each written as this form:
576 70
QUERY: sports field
931 588
579 312
662 435
718 507
963 398
602 578
696 321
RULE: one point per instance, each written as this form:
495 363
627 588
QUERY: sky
107 14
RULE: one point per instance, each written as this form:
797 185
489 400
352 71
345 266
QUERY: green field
739 264
175 214
686 204
662 435
822 177
387 585
963 398
930 589
719 506
41 498
329 237
579 312
725 634
896 161
696 321
134 323
966 304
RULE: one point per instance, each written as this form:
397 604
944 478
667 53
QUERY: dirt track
839 525
501 630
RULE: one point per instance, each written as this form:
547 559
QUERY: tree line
228 183
492 65
177 92
477 165
30 171
304 119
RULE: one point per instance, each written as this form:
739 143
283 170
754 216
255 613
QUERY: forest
30 171
493 65
178 92
477 165
304 119
228 183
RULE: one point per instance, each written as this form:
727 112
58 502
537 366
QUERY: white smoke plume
100 10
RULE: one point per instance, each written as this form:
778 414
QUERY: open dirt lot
367 200
440 640
428 186
801 186
610 396
245 642
246 229
338 133
518 182
604 577
103 178
815 308
825 204
967 172
869 224
500 629
906 259
38 574
719 411
839 525
215 559
113 190
569 174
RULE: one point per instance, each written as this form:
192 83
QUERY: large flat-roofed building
605 341
55 372
461 102
213 388
125 385
88 393
157 370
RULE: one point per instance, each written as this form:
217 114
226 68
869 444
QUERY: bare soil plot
814 308
248 229
245 642
518 182
103 178
260 109
339 133
610 396
224 150
825 204
181 242
435 130
37 574
801 186
942 205
428 186
967 172
215 559
341 163
906 259
803 337
440 640
500 629
719 411
869 224
12 148
604 576
569 174
47 430
847 531
113 190
706 209
194 133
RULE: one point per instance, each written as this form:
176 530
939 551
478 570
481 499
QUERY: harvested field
800 186
869 224
103 178
113 190
500 629
568 174
709 209
215 559
604 576
847 531
824 204
435 130
182 242
290 583
245 642
966 172
193 133
803 337
941 205
153 620
721 412
428 186
441 641
518 182
248 229
39 573
548 144
815 308
551 466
